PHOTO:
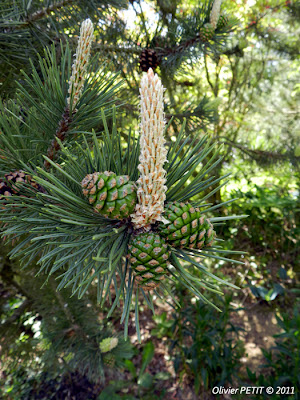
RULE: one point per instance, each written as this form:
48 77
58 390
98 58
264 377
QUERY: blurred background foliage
242 87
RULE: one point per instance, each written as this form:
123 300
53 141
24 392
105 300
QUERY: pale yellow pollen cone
151 190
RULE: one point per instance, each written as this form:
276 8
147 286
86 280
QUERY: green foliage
283 360
163 326
45 386
141 382
252 78
45 334
59 331
183 42
265 294
111 392
61 229
57 227
274 207
72 231
180 169
28 26
29 124
204 344
271 230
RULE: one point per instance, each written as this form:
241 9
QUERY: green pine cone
148 255
109 360
222 22
187 228
206 33
111 195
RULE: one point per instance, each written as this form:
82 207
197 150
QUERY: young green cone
223 21
111 195
187 228
206 33
148 255
109 360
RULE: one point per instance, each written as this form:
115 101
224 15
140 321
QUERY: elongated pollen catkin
80 64
215 13
151 190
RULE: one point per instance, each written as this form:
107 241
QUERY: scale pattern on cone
148 59
187 228
109 360
222 22
148 256
111 195
206 33
10 185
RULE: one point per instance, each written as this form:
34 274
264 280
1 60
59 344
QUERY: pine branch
262 155
161 51
84 246
174 48
197 116
117 49
63 227
207 74
45 11
39 113
61 132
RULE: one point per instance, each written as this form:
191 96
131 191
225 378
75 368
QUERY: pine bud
80 64
151 183
108 344
215 13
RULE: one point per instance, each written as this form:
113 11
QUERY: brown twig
61 132
258 154
117 49
45 11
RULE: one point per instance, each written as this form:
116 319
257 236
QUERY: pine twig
76 85
117 49
45 11
259 154
61 132
207 75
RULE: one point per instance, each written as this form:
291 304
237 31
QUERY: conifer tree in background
97 209
49 173
232 69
